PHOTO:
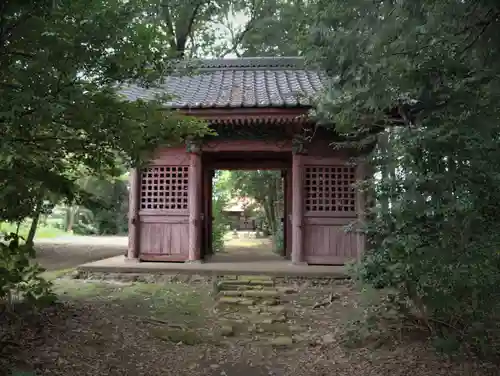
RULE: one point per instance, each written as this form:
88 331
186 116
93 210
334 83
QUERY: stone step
241 287
255 278
287 290
262 294
252 319
250 282
235 300
269 302
273 309
244 285
236 293
268 320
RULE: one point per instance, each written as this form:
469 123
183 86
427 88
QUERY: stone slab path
253 308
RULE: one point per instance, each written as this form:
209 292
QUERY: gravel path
71 251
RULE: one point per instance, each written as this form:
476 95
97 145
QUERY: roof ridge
251 63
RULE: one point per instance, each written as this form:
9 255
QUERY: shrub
279 238
432 237
20 279
219 223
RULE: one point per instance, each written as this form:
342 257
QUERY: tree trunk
70 218
36 217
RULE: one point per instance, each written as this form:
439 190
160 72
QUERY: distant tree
221 193
217 28
266 188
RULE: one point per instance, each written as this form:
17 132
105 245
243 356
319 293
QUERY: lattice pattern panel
330 189
165 188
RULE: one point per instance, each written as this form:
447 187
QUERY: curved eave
295 115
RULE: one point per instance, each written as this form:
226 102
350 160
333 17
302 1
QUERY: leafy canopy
62 64
427 72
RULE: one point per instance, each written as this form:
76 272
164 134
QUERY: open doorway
248 212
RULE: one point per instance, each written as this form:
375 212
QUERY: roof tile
238 83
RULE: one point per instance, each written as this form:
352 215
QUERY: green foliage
43 231
431 68
277 28
109 206
218 28
62 117
279 238
219 225
220 198
20 279
63 64
266 188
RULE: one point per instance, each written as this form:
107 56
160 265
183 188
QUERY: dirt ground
104 328
69 252
245 246
130 328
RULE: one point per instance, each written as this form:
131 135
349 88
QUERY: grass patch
69 289
49 233
176 303
55 274
42 232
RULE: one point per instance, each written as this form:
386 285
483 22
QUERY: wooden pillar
297 209
133 215
195 192
287 212
208 175
286 204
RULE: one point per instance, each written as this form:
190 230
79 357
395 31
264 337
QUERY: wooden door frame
206 228
209 167
287 206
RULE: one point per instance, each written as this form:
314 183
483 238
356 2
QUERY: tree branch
181 39
236 40
170 25
485 24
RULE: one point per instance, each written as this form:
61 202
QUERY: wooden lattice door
329 205
164 212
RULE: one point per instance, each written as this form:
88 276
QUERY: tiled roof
239 83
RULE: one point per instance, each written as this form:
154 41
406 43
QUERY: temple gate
170 200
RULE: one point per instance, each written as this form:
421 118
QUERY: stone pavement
253 307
